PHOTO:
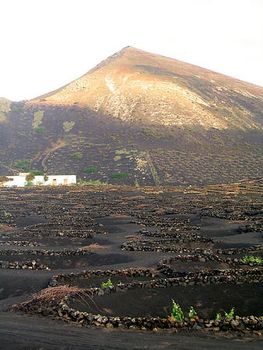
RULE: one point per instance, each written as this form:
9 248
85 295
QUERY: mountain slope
134 85
4 109
139 118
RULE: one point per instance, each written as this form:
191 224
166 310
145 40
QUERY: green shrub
90 170
17 107
77 155
37 121
119 176
23 164
39 130
37 172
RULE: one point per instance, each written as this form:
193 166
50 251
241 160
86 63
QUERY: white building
40 180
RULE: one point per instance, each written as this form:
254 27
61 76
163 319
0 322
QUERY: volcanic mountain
139 118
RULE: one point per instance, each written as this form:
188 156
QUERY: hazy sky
47 43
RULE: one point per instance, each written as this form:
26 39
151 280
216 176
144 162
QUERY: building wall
55 180
52 180
17 181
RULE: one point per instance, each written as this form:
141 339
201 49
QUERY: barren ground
155 244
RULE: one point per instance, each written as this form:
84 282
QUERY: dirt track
19 332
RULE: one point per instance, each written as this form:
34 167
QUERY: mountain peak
136 86
129 49
124 50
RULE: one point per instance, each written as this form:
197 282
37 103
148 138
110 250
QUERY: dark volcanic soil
21 332
247 299
174 232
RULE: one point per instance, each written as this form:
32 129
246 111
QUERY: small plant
37 172
136 183
77 155
39 130
177 313
68 126
108 284
37 120
119 176
90 170
91 183
229 315
7 215
218 316
192 314
23 164
250 259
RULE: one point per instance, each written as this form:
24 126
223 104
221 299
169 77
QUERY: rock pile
23 265
63 311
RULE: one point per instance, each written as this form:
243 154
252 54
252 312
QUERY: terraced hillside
139 118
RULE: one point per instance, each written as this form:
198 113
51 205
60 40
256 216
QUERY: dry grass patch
52 296
133 237
54 293
6 228
94 246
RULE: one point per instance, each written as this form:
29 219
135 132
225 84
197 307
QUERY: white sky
47 43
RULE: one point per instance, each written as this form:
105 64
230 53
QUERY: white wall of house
15 181
39 180
55 180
